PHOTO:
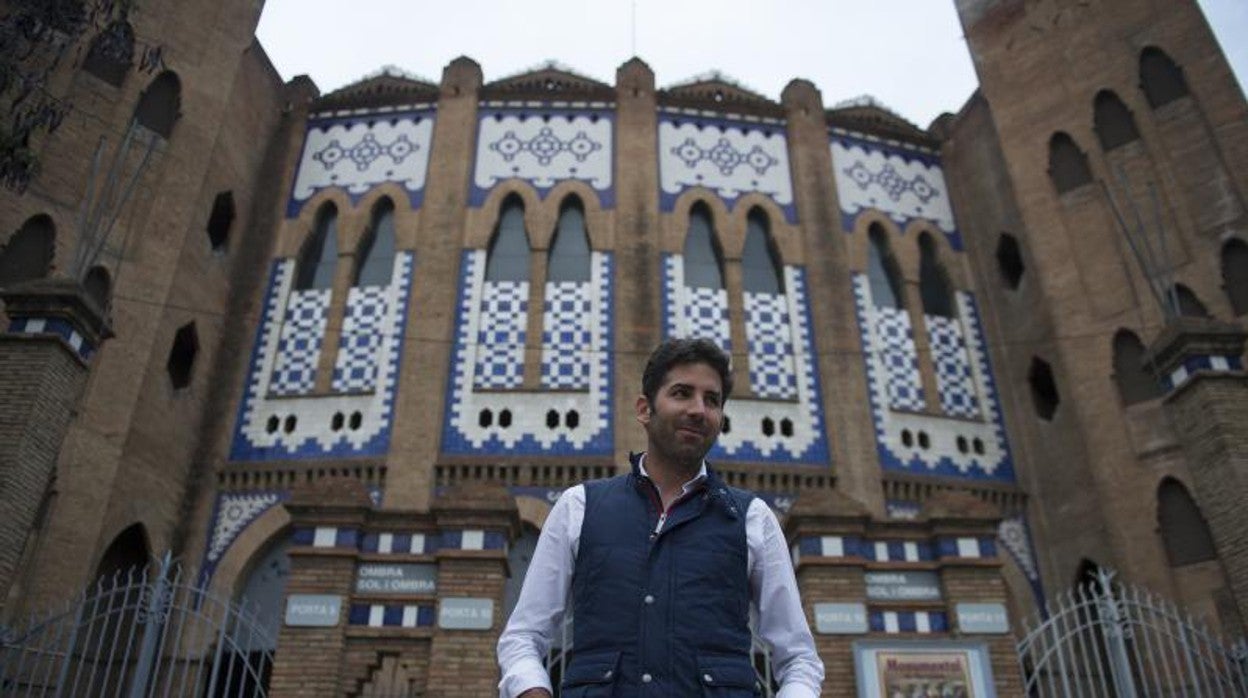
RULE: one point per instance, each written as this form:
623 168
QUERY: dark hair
675 352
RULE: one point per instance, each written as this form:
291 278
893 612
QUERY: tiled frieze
503 318
358 152
955 380
900 359
568 421
909 439
355 417
567 320
729 156
770 343
765 427
299 350
903 182
544 146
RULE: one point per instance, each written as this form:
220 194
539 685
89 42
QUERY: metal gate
136 634
1106 639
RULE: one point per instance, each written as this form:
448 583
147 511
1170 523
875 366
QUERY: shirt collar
686 488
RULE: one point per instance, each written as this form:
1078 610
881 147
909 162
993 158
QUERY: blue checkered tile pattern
972 447
896 622
954 379
482 421
706 315
901 359
566 335
504 317
769 339
300 347
355 369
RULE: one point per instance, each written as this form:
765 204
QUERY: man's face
686 416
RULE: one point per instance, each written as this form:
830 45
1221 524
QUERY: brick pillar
817 528
54 330
963 530
475 521
1200 365
326 517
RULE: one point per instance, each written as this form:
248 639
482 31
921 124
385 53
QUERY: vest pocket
591 675
727 677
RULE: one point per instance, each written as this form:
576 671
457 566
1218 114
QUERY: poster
924 674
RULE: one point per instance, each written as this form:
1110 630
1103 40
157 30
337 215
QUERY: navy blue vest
666 614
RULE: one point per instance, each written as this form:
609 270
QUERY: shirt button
646 678
649 599
708 678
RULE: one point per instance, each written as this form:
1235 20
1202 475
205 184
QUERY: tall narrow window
934 285
318 259
1010 260
1135 381
98 285
182 356
374 260
1235 274
221 219
111 53
760 267
882 271
1160 77
1068 166
1183 530
702 256
28 254
1189 303
1113 121
509 251
1044 396
159 104
569 254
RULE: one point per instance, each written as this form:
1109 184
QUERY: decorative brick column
476 521
1200 362
45 354
327 518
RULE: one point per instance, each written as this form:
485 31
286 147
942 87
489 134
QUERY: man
662 564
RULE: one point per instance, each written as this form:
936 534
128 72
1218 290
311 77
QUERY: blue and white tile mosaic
355 369
357 153
57 326
299 351
728 156
894 622
483 421
504 317
391 615
1015 536
900 359
544 147
232 512
567 330
1203 362
770 343
353 423
973 448
906 184
764 428
955 380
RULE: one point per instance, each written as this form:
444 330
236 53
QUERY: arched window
1235 274
159 104
1160 77
760 265
182 353
1068 166
1135 381
1010 260
1113 121
98 285
264 588
221 219
569 253
509 250
519 554
374 259
882 270
702 255
127 553
318 258
934 287
1044 395
28 254
111 53
1183 530
1189 303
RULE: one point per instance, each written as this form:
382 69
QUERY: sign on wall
457 613
885 669
313 610
903 586
840 618
396 578
982 618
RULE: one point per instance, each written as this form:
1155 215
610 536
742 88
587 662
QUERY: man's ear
643 409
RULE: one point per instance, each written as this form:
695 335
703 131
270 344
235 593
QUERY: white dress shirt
544 597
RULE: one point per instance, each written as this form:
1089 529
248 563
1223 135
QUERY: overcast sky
908 54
